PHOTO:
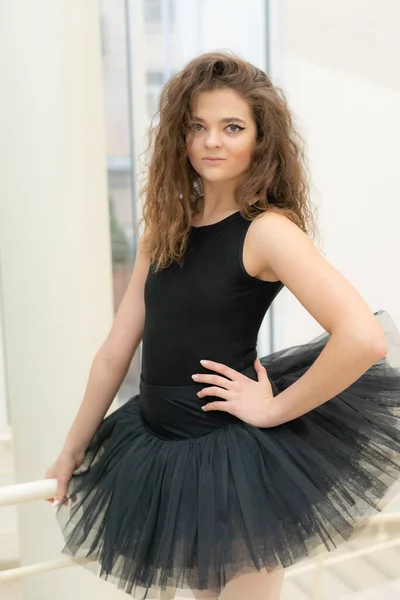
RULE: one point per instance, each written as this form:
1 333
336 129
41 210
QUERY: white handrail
46 488
6 436
60 563
42 567
26 492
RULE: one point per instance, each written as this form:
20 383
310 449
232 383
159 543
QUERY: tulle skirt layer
169 495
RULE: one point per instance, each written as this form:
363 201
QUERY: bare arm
112 360
356 340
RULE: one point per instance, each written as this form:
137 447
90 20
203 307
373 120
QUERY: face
222 127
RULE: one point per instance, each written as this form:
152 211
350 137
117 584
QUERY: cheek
193 150
242 152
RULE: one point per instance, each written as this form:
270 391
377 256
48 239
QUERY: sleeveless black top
210 307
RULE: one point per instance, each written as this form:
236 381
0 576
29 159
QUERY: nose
212 139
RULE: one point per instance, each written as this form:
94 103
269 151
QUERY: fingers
61 492
65 500
221 368
60 496
49 475
260 369
225 406
215 379
214 391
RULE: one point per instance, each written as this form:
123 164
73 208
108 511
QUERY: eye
237 127
195 125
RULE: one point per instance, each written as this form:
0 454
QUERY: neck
218 198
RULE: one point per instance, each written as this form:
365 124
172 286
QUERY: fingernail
204 362
195 376
56 502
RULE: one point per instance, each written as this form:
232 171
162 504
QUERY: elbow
381 348
369 340
375 345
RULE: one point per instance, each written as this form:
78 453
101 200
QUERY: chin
216 179
215 175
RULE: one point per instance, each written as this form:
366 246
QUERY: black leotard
210 307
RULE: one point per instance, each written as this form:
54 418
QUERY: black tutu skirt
170 495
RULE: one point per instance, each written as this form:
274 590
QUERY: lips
213 159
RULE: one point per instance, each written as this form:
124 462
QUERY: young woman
218 475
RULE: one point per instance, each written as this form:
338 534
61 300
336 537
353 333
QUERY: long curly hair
172 192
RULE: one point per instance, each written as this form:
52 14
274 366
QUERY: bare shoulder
272 236
266 231
273 219
285 250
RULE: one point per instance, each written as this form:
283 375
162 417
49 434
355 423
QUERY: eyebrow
226 120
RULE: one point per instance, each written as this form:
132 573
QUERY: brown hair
277 175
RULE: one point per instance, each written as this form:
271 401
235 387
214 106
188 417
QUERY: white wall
4 418
352 126
55 250
359 37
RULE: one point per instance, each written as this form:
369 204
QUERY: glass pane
119 162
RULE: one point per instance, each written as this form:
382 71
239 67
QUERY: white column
54 247
4 420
